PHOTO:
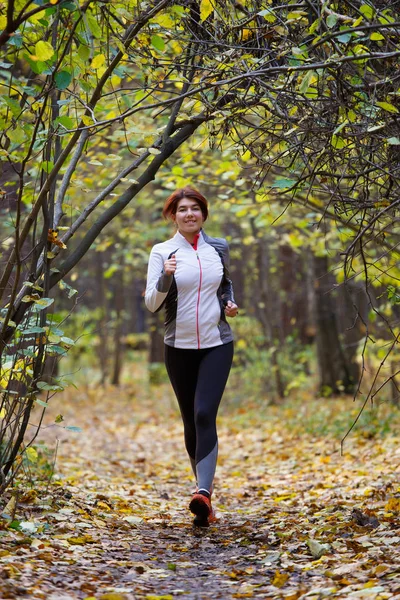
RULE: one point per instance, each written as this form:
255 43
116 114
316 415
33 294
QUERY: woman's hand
170 265
231 309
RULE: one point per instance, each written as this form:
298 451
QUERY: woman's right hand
170 265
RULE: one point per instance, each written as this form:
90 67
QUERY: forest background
284 115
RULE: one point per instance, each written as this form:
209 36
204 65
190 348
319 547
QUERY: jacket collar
183 243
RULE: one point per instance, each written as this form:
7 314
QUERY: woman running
188 275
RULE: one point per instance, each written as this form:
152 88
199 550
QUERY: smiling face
188 217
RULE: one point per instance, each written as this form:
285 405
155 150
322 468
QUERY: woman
188 275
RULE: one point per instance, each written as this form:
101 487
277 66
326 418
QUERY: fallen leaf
317 549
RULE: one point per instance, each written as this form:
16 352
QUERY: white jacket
195 296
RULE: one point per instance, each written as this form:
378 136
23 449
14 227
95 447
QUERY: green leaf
12 105
41 402
43 51
314 26
31 454
268 14
42 303
16 135
344 38
33 330
93 26
376 36
295 15
158 43
338 142
387 106
28 298
53 337
340 127
55 350
51 387
63 79
86 86
307 80
65 121
284 183
70 290
47 165
84 52
37 66
393 141
367 11
331 21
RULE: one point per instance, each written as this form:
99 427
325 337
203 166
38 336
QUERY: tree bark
119 296
270 326
335 374
102 351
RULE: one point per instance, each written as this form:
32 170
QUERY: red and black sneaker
200 506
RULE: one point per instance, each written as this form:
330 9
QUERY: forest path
113 522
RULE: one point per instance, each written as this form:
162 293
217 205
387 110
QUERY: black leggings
199 378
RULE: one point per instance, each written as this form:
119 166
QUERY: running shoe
200 506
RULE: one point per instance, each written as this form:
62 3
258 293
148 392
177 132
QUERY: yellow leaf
280 579
393 505
296 15
43 51
80 540
53 1
31 454
206 8
3 22
246 33
98 61
387 106
3 413
11 507
164 21
285 497
351 115
338 142
36 18
103 505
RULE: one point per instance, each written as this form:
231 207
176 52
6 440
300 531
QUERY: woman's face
188 216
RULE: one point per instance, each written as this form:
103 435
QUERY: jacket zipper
198 303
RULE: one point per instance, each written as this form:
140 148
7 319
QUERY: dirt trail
113 523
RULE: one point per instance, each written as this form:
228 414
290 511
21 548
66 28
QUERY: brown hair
171 202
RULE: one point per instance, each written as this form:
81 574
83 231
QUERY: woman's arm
158 283
226 286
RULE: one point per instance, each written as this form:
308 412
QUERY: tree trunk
103 337
270 328
335 376
119 295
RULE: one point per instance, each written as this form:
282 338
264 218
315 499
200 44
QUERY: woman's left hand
231 309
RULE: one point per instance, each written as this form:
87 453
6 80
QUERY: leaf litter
295 518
